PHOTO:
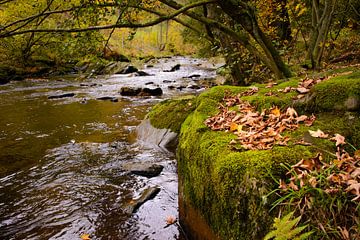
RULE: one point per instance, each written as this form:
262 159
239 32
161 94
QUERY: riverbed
61 159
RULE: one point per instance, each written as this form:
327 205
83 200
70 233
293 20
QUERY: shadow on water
60 160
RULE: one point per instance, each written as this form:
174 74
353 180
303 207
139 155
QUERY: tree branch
116 25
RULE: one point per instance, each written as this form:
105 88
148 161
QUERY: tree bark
242 13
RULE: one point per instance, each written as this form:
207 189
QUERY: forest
264 103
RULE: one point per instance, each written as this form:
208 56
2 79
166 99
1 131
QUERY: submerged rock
143 169
174 68
142 74
65 95
127 70
112 99
129 91
146 195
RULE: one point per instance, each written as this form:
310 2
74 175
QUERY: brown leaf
291 112
313 182
354 189
340 140
302 90
293 186
170 220
318 134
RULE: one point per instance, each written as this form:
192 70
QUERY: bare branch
116 25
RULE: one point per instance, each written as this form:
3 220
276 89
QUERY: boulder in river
174 68
112 99
129 91
146 195
65 95
142 74
143 169
127 70
151 92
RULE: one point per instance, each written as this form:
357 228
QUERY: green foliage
285 228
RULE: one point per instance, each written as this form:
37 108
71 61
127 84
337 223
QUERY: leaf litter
256 130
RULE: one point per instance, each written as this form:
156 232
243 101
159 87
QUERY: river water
60 159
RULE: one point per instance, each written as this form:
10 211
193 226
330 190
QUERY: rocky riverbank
224 188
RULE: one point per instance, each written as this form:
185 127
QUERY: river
60 159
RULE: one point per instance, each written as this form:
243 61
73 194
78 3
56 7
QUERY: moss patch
170 114
229 188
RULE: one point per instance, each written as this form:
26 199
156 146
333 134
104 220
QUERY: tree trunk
321 22
243 14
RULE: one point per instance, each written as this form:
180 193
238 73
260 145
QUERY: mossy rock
340 93
170 114
229 189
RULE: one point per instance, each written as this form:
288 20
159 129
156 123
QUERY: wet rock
168 81
180 87
194 87
143 169
65 95
128 91
151 92
174 68
112 99
128 69
193 76
146 195
142 74
150 136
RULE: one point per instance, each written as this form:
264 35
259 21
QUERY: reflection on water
60 160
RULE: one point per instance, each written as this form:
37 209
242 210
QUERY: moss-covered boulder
223 193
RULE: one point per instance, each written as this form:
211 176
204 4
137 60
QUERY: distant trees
266 30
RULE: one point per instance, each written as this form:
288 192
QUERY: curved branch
116 25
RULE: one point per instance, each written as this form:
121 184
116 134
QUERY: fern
286 229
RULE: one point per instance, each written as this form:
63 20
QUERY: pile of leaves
255 130
327 194
340 175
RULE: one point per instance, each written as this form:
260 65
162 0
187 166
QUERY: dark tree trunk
243 14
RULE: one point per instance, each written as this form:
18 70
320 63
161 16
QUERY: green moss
228 187
170 114
333 94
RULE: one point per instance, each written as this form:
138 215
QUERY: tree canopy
248 33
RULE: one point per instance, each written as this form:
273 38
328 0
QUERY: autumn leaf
85 237
318 134
291 112
170 220
275 111
340 140
302 90
233 127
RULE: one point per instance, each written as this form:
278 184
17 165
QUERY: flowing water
60 159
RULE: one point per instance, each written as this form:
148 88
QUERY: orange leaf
85 237
233 127
275 111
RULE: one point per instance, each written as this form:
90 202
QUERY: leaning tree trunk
321 21
242 13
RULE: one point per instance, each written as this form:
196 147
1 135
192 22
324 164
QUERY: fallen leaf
302 90
275 111
340 140
233 127
170 220
85 237
318 134
291 112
